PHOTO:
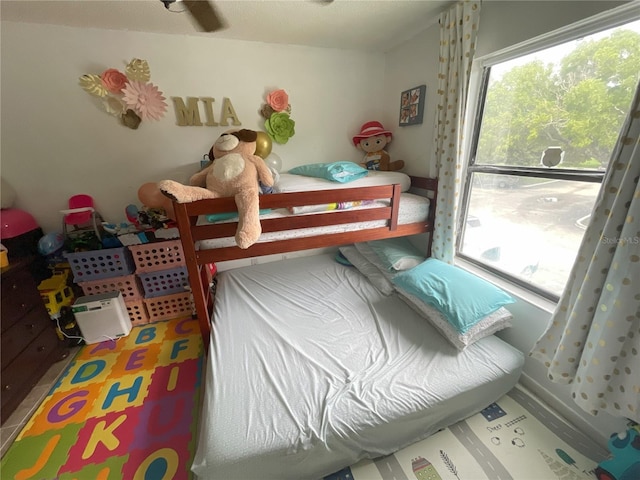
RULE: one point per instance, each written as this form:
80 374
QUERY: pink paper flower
113 80
278 100
145 99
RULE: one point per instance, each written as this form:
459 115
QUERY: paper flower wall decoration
278 123
129 96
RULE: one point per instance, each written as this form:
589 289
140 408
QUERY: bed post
198 286
431 185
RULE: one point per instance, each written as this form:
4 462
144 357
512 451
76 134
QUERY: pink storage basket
129 285
169 306
152 257
137 312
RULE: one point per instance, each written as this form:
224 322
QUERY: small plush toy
234 173
372 139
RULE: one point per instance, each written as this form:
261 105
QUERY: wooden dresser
30 344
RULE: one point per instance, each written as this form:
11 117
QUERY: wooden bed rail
196 260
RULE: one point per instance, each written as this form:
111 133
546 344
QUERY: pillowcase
367 252
488 325
397 253
462 298
221 217
368 269
341 172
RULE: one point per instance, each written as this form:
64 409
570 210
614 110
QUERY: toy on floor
625 461
235 172
372 139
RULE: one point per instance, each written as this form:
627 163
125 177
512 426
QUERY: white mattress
413 208
288 182
311 368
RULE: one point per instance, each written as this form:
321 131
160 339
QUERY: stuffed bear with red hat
372 139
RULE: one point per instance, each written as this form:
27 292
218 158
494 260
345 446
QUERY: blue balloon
50 243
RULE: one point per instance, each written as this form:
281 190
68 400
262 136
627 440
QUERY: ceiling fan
203 13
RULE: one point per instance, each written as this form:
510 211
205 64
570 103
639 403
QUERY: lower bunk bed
312 368
311 364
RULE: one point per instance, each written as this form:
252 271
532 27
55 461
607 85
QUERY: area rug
123 409
516 438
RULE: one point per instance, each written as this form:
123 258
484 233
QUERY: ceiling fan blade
205 15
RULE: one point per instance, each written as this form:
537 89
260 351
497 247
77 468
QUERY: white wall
502 24
56 142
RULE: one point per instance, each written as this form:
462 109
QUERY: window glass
548 123
573 97
531 229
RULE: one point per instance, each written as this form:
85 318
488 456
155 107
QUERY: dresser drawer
21 375
22 333
19 295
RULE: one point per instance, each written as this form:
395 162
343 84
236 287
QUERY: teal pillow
463 298
397 254
221 217
341 172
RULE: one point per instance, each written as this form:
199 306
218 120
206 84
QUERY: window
546 123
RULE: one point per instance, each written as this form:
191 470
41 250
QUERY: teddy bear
235 172
372 140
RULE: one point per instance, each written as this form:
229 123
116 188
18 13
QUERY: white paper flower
114 106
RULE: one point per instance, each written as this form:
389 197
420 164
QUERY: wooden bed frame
197 260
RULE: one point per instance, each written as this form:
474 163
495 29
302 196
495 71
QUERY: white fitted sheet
413 208
288 182
311 368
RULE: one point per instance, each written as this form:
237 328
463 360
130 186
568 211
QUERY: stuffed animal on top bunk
372 140
235 172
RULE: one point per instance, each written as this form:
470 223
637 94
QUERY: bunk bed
205 242
310 366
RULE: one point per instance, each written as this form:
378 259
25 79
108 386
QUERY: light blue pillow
341 172
463 298
397 254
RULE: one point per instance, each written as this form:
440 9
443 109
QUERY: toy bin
127 284
152 257
169 306
137 312
100 264
173 280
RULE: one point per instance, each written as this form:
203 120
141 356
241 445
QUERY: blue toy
625 461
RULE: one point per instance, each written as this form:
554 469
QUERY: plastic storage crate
152 257
100 264
174 280
169 306
129 285
137 312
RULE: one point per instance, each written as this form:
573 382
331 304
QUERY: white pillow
367 252
488 325
367 269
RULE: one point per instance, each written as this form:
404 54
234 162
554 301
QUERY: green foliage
579 104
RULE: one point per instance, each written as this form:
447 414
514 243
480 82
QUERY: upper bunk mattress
311 368
413 208
288 182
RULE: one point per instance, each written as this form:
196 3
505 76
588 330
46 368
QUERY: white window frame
480 70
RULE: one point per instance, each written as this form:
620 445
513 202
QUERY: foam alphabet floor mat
123 409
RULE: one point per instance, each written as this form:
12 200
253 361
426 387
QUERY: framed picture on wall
412 105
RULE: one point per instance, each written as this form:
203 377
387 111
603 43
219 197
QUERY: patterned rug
123 409
516 438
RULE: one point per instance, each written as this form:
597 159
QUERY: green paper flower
280 127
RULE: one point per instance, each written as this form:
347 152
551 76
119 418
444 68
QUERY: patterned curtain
458 32
593 341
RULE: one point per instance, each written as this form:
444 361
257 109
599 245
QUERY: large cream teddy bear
234 173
